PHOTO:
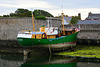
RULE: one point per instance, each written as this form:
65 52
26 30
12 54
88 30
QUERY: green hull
59 40
74 64
50 61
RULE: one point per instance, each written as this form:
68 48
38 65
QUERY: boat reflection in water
37 61
52 61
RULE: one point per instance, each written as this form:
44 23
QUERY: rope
36 23
69 22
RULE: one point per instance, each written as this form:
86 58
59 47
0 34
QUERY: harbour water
9 60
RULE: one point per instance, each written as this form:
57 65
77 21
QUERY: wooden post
50 51
88 42
25 52
97 42
25 57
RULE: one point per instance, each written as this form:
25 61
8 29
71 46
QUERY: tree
42 13
40 17
22 13
5 15
0 16
74 19
13 15
39 14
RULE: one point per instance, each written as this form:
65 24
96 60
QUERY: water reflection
11 60
50 61
37 61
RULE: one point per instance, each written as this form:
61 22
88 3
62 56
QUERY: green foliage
75 19
40 17
84 51
0 16
5 15
21 13
13 15
38 14
42 13
18 11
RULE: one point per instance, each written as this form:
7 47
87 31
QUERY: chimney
90 13
79 15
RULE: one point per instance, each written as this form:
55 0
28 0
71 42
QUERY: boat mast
63 21
48 22
33 22
63 24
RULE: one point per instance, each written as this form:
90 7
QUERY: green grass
84 51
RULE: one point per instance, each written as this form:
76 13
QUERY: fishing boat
52 37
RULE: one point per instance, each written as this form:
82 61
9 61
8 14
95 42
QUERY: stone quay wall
88 31
9 28
89 34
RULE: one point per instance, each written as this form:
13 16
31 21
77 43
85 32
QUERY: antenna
51 24
32 10
63 21
62 8
48 22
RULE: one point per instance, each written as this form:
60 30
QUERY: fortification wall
9 27
88 31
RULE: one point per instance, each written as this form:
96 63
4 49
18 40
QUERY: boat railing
23 31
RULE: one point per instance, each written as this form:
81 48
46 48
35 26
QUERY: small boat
52 37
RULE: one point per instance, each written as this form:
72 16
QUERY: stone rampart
9 27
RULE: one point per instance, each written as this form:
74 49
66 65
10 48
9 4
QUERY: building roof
92 16
88 22
66 19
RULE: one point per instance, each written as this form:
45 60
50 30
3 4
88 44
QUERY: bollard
50 51
98 42
25 58
25 52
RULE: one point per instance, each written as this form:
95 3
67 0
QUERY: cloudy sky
70 7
